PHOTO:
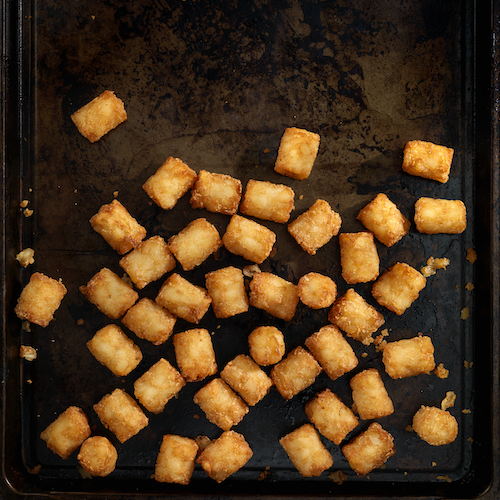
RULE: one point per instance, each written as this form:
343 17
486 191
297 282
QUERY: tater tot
409 357
150 321
246 378
183 299
121 414
436 216
109 293
118 228
101 115
221 405
315 227
306 451
331 416
98 456
195 243
317 291
383 218
217 193
170 182
369 450
225 455
67 432
353 315
113 349
267 345
435 426
176 459
297 152
428 160
248 239
267 201
295 373
398 287
332 351
275 295
194 353
148 262
158 385
40 299
370 396
358 257
226 287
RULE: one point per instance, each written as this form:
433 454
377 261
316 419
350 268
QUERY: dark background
216 84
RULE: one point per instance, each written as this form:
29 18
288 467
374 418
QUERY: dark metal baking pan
216 84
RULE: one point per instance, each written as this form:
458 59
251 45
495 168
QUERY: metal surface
216 84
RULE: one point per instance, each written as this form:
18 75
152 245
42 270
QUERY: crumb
379 340
127 279
449 400
466 411
441 372
466 365
301 197
434 464
469 287
265 473
405 473
27 212
26 257
28 353
364 355
471 440
464 313
409 428
84 473
202 442
34 470
337 477
80 322
267 150
26 326
445 478
380 344
196 416
115 194
75 190
92 17
251 270
29 381
368 340
434 264
24 204
471 255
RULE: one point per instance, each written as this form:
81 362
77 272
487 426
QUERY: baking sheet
216 84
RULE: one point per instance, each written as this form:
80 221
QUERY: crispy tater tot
98 456
306 451
225 455
369 450
435 426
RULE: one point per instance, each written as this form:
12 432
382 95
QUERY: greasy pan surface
216 84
